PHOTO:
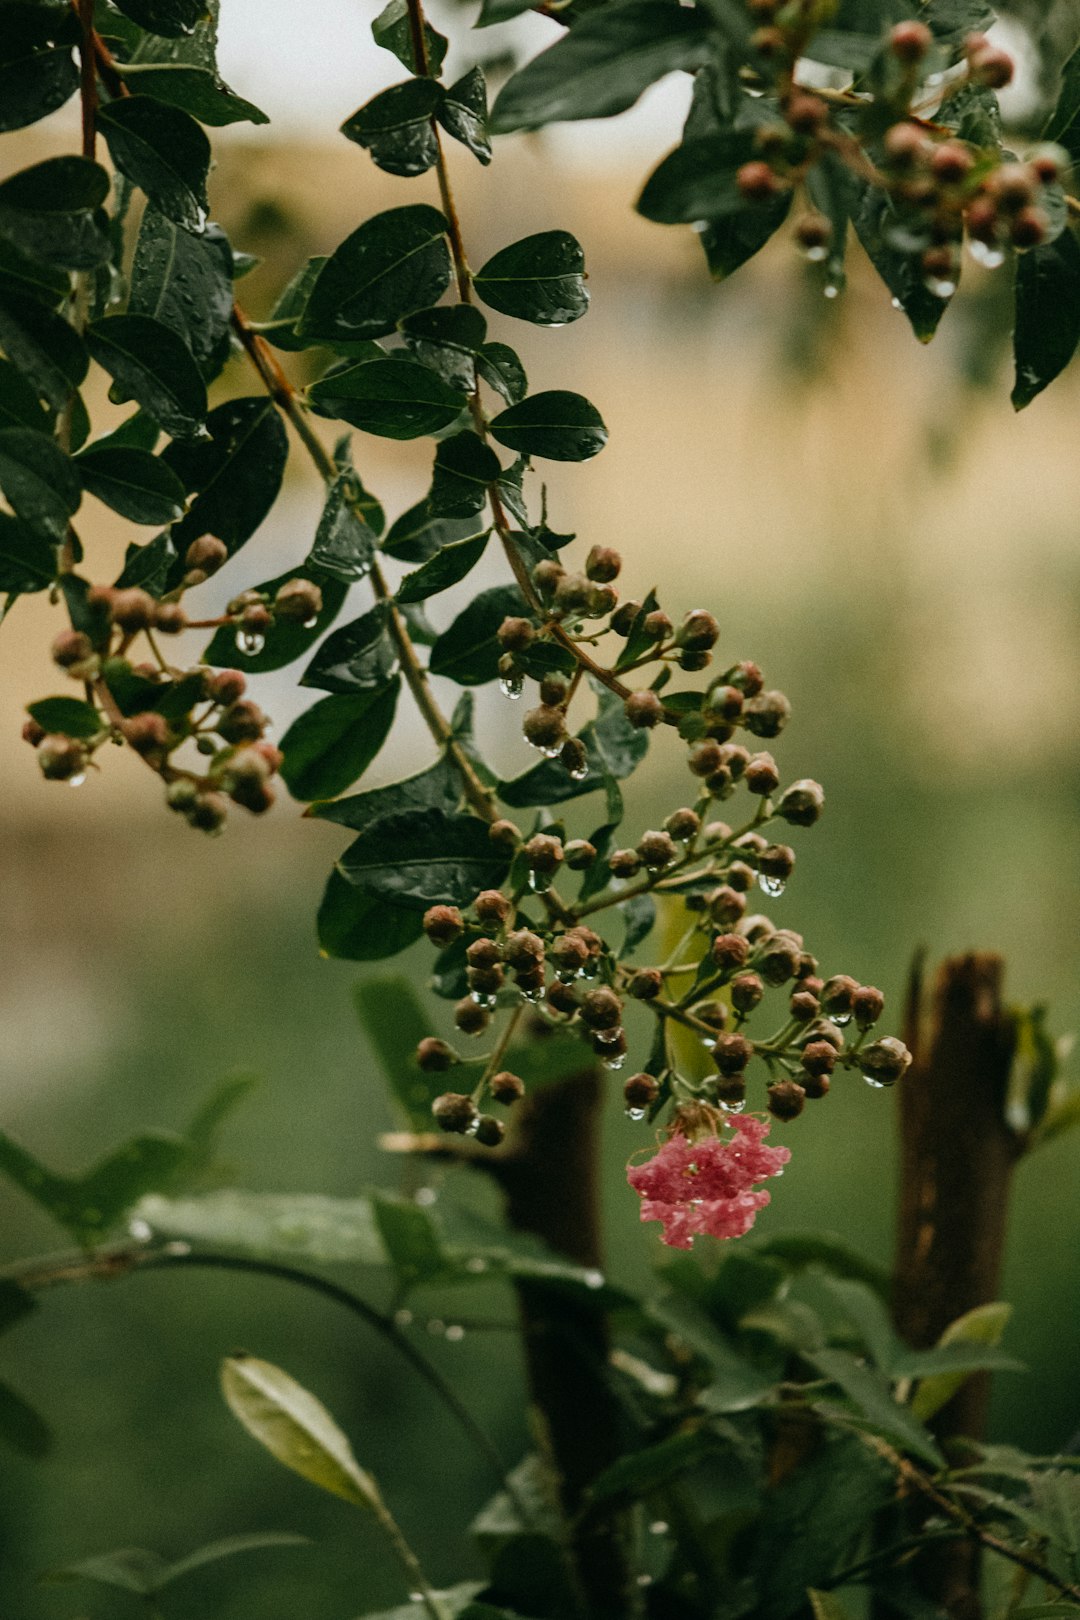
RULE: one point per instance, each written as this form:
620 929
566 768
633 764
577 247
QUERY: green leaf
296 1429
604 63
280 326
826 1605
557 425
69 716
391 265
52 211
19 405
195 90
20 273
39 481
89 1206
409 1234
237 473
16 1302
344 543
497 11
359 927
141 487
136 1569
984 1326
163 151
185 282
697 181
395 1023
1047 328
872 1399
21 1427
424 858
874 222
173 18
502 370
358 656
613 748
469 651
396 127
439 787
1063 125
639 1474
448 339
417 534
229 1546
729 242
287 639
395 399
463 113
446 568
149 566
151 364
43 346
393 31
539 279
465 469
300 1226
34 83
332 744
27 559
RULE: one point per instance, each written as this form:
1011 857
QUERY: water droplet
309 624
940 286
644 1580
816 254
403 1317
77 780
841 1018
608 1037
773 886
579 773
178 1248
455 1333
831 290
473 1126
896 304
436 1326
512 686
476 1264
416 1597
425 1197
593 1279
709 1042
568 975
984 253
539 881
250 643
733 1107
636 1114
874 1080
659 1527
615 1061
140 1231
548 753
533 995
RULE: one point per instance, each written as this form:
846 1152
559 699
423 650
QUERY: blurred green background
901 556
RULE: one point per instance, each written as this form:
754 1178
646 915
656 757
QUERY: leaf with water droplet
331 745
463 113
539 279
153 365
557 425
396 127
393 264
185 281
163 151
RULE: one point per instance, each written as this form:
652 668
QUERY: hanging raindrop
512 686
250 643
772 886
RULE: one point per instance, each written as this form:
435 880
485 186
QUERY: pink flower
707 1184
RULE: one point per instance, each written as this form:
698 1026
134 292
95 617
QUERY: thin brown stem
87 78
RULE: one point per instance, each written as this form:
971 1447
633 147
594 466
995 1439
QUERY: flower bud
579 854
553 691
644 709
646 984
241 722
561 997
602 598
435 1056
991 67
147 733
486 981
778 959
755 180
786 1100
904 144
806 114
71 647
819 1057
683 825
489 1131
207 554
729 951
804 1006
867 1005
506 1088
543 853
884 1062
910 41
505 833
470 1017
622 620
656 625
726 905
767 714
515 634
523 949
483 953
746 991
227 686
624 863
731 1090
443 924
776 862
813 233
546 576
33 733
60 757
298 599
491 907
705 757
181 794
838 996
640 1092
568 953
761 775
823 1029
209 812
951 162
603 564
611 1047
572 593
713 1013
815 1086
732 1053
455 1112
699 631
1029 229
802 803
133 609
170 618
544 728
657 850
574 758
741 877
747 677
601 1009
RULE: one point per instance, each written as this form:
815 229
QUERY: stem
84 10
409 1562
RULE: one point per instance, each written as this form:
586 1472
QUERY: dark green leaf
69 716
1063 125
15 1303
287 639
439 787
410 1237
396 127
134 483
35 83
88 1206
39 481
465 468
613 748
423 858
697 181
469 651
1047 327
172 18
502 370
185 282
19 405
21 274
395 399
539 279
229 1546
21 1427
604 63
639 1474
639 917
557 425
163 151
360 927
727 243
446 568
344 543
463 113
151 364
900 271
52 211
138 432
27 560
395 1023
358 656
194 90
332 744
149 566
447 339
45 348
237 474
393 31
497 11
870 1395
393 264
280 327
417 534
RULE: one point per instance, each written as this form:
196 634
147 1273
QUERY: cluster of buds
253 613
